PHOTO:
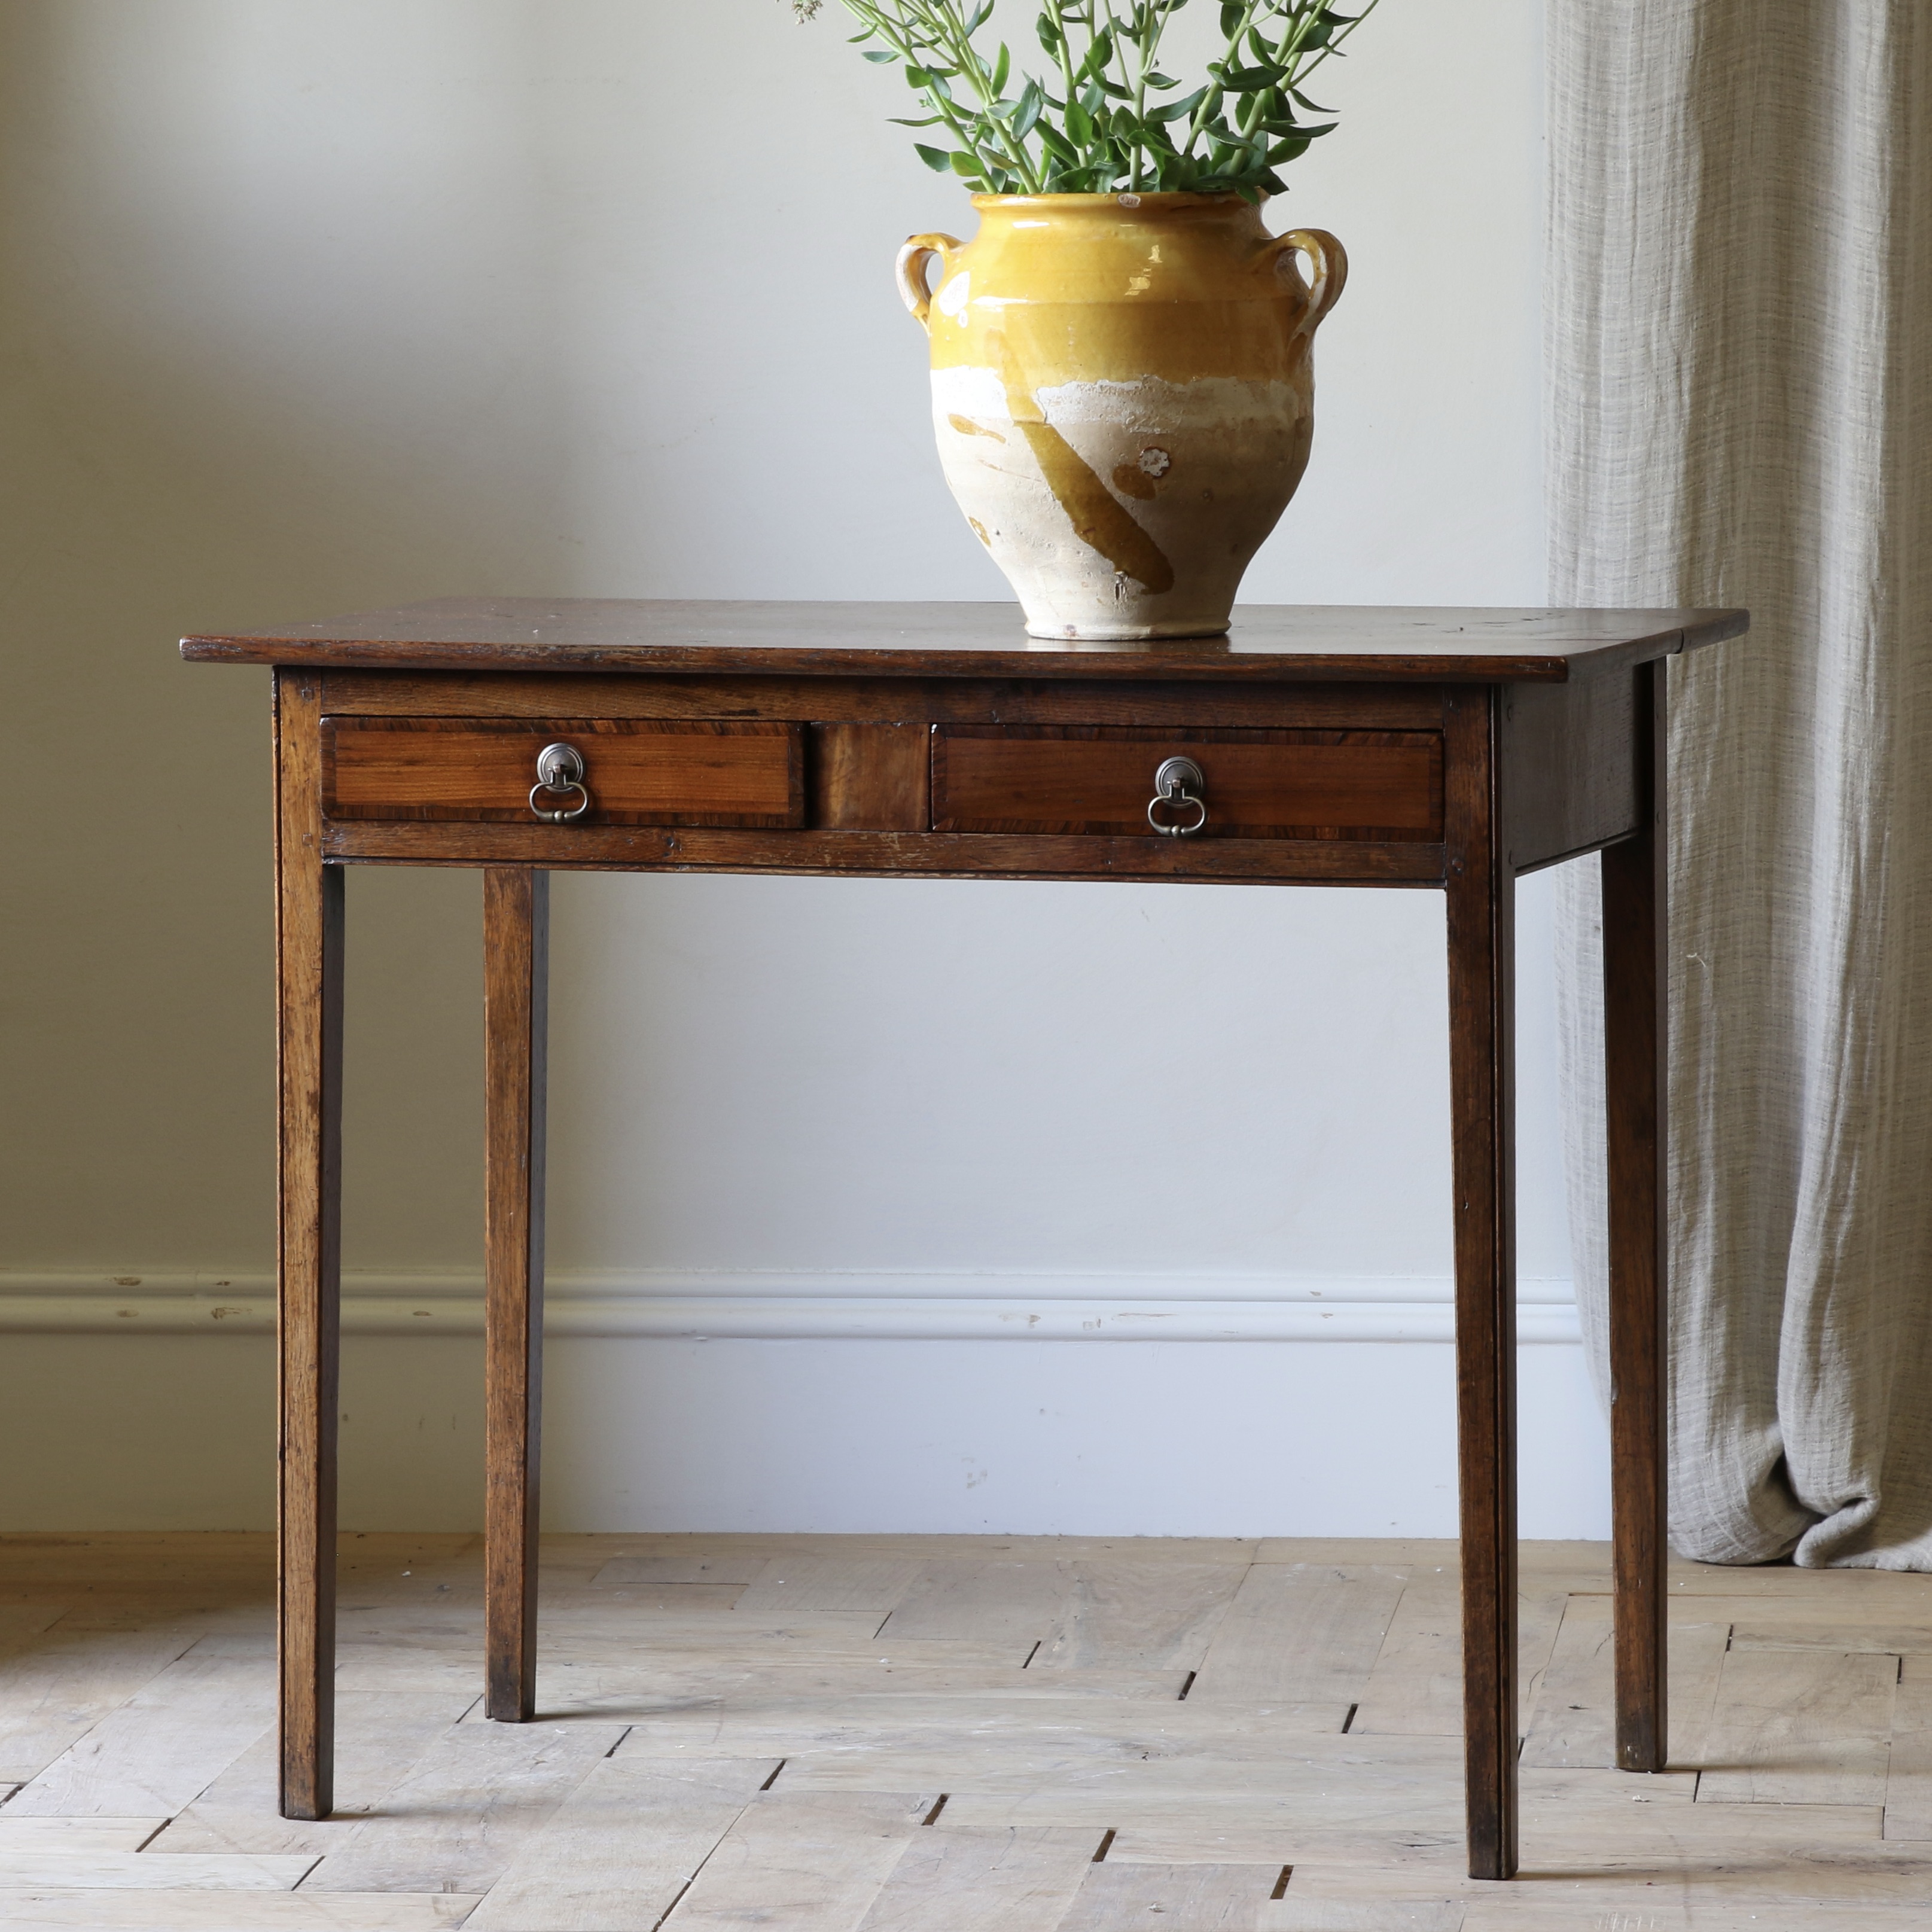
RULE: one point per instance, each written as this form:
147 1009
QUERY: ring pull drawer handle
560 772
1178 787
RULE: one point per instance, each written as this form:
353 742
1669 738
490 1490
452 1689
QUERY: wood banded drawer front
1258 784
637 772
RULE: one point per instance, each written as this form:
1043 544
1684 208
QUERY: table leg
1633 1041
1481 894
308 945
516 950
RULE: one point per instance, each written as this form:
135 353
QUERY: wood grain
870 777
53 1694
1296 1913
1415 1689
1574 783
1096 780
77 1834
637 771
49 1908
802 1582
1288 1639
1574 1721
996 1881
1482 942
890 854
1266 641
461 1817
1908 1785
1334 705
991 1742
1116 1897
516 980
991 1599
155 1754
1636 1049
621 1849
381 1735
716 1569
308 949
1799 1727
808 1860
132 1871
1368 1821
1144 1616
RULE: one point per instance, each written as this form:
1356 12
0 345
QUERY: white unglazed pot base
1121 510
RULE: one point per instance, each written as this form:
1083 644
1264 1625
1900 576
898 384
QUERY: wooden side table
1455 749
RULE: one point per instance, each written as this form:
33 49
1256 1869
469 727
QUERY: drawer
637 771
1258 784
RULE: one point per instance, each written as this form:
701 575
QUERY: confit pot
1124 397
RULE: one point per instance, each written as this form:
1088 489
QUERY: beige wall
317 304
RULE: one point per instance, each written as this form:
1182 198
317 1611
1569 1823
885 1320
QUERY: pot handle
910 268
1331 270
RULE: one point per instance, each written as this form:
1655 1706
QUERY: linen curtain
1739 412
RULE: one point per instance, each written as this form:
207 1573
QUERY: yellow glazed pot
1124 397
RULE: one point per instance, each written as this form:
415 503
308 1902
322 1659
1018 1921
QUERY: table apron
659 848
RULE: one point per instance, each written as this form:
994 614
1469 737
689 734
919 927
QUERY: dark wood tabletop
1268 642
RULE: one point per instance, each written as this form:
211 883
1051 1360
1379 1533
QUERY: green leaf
1231 20
1250 79
1176 110
931 121
1302 101
1002 67
1028 116
1052 35
1080 126
880 55
1058 145
1286 151
936 159
963 164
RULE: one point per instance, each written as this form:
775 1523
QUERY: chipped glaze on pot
1124 397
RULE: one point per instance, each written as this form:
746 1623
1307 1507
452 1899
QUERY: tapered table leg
308 945
1634 1045
516 943
1481 893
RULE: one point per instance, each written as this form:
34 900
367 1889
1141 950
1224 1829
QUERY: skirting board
937 1307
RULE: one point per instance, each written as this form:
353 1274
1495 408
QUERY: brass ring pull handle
910 268
1177 785
1330 261
560 772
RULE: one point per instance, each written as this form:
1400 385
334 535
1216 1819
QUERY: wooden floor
943 1734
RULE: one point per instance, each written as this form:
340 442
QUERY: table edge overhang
463 656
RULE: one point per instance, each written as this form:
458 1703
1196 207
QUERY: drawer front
1258 784
637 771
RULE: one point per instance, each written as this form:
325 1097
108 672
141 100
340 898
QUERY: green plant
1108 127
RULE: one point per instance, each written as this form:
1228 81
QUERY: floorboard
880 1734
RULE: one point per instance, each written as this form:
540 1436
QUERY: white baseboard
799 1306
